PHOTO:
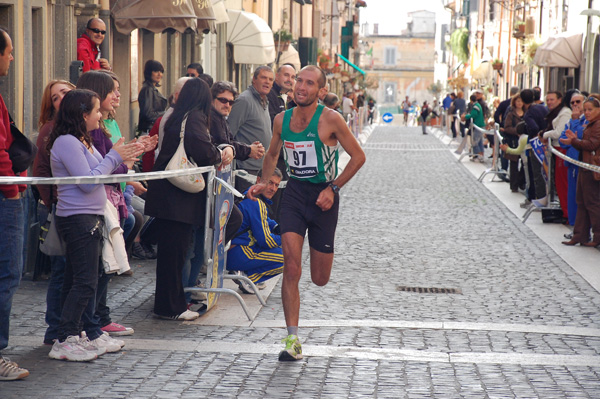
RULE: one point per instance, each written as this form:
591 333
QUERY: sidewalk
586 261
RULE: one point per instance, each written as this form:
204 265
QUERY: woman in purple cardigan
80 214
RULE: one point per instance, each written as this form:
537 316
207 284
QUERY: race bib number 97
301 158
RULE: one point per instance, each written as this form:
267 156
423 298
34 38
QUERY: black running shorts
299 213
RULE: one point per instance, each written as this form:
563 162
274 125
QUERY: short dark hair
537 93
207 78
70 120
331 99
276 172
527 96
3 40
223 86
557 93
197 66
472 98
152 66
261 68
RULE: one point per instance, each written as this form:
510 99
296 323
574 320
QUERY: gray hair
261 68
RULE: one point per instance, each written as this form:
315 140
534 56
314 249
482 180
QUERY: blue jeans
193 260
11 259
53 303
83 236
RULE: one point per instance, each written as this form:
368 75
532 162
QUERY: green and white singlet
306 157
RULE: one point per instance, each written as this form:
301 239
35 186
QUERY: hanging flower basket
497 66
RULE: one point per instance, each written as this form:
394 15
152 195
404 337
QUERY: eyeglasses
96 30
575 102
223 100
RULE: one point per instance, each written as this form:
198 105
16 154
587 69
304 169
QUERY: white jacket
114 255
558 125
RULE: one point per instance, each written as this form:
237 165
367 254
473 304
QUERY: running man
405 109
310 134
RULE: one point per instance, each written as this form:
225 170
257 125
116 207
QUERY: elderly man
249 119
88 46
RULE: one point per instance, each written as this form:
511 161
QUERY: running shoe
71 350
188 315
293 349
116 329
10 371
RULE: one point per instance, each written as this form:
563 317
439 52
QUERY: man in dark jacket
535 121
283 84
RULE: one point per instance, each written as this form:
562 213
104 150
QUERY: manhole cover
430 290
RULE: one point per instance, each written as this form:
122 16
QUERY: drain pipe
104 14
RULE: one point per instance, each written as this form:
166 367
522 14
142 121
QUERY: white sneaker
110 344
92 346
107 338
188 315
71 350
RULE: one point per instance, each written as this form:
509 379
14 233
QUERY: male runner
310 134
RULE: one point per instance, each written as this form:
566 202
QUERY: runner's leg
292 259
320 266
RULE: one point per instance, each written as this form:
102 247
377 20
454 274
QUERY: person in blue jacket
256 249
576 125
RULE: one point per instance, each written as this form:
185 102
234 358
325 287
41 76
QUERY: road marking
347 352
439 325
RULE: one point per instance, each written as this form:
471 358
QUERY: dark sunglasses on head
225 101
96 30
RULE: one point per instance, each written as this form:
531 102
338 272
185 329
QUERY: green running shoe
293 349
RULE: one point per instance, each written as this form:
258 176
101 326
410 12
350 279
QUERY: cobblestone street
512 318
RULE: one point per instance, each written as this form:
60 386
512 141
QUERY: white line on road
348 352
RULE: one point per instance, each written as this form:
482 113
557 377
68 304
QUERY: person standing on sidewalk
11 225
310 134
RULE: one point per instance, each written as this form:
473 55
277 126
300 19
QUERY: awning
290 56
158 15
347 61
251 37
206 22
563 51
220 11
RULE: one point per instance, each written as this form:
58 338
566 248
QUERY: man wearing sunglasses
88 46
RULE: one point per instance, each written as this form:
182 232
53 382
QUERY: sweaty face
263 82
7 57
223 108
307 89
285 78
97 37
57 92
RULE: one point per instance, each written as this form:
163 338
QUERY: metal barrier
496 168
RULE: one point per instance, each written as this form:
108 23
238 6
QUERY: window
390 56
389 92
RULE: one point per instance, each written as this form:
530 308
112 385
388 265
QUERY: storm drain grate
430 290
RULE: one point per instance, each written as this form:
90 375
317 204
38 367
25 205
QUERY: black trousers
174 239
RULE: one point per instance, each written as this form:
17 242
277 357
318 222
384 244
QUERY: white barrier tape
593 168
229 187
242 174
104 179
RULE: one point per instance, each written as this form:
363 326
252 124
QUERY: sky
391 15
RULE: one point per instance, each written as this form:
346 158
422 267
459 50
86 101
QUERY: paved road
510 319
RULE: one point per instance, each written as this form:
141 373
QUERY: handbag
51 243
193 183
22 151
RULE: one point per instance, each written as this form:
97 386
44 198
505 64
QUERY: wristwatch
334 188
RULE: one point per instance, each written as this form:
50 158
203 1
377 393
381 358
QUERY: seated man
256 249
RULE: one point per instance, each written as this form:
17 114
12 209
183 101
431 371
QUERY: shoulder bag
51 243
192 183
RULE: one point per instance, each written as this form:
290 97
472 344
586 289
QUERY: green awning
347 61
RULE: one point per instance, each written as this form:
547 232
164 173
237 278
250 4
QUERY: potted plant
497 64
323 59
519 29
282 39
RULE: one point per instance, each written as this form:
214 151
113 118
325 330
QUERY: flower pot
497 66
282 46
